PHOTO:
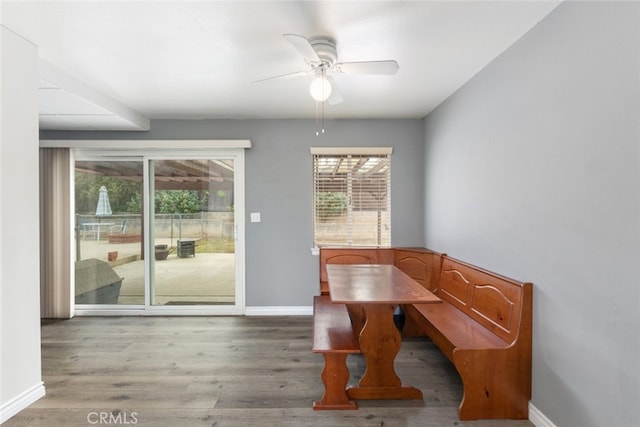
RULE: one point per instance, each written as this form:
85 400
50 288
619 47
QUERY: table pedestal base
375 393
380 343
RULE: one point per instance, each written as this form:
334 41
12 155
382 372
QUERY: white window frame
382 238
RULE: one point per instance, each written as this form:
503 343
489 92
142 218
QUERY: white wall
20 376
533 171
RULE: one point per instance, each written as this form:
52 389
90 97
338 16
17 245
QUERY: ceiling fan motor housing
325 47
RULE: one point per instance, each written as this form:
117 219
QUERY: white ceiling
116 64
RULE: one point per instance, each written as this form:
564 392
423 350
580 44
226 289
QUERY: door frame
146 150
239 207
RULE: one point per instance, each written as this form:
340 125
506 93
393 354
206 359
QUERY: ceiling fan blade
303 46
389 67
284 76
336 97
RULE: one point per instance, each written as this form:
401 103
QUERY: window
352 196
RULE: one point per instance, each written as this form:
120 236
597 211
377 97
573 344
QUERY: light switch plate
255 217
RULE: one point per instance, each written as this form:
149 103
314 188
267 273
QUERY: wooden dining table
375 290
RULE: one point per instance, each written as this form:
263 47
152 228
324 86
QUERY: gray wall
280 270
533 171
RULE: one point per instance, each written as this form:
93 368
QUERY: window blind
352 199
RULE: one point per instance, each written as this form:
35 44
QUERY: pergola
168 174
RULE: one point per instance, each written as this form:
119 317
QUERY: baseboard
200 311
537 418
279 311
20 402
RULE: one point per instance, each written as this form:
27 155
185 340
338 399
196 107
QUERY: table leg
380 342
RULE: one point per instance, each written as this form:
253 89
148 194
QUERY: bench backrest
422 265
350 256
500 304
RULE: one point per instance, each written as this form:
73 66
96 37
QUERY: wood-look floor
219 371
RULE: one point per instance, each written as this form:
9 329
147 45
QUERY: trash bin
186 248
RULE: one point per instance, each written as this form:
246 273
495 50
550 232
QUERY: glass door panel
109 267
192 232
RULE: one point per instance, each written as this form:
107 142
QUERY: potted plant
162 252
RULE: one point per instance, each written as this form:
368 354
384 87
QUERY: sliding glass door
193 228
109 267
159 232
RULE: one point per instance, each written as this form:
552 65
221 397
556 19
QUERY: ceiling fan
320 53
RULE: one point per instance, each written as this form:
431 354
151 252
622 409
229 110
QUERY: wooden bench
333 337
483 326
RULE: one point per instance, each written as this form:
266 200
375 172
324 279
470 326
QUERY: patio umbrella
104 207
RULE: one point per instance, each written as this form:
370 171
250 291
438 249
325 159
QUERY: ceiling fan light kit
320 88
321 54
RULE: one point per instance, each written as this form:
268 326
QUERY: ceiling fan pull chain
317 132
319 118
322 116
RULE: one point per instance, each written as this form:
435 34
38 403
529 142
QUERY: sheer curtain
55 233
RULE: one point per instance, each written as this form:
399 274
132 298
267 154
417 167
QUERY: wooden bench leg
492 386
335 376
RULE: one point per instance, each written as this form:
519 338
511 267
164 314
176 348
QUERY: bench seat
483 326
334 338
458 328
